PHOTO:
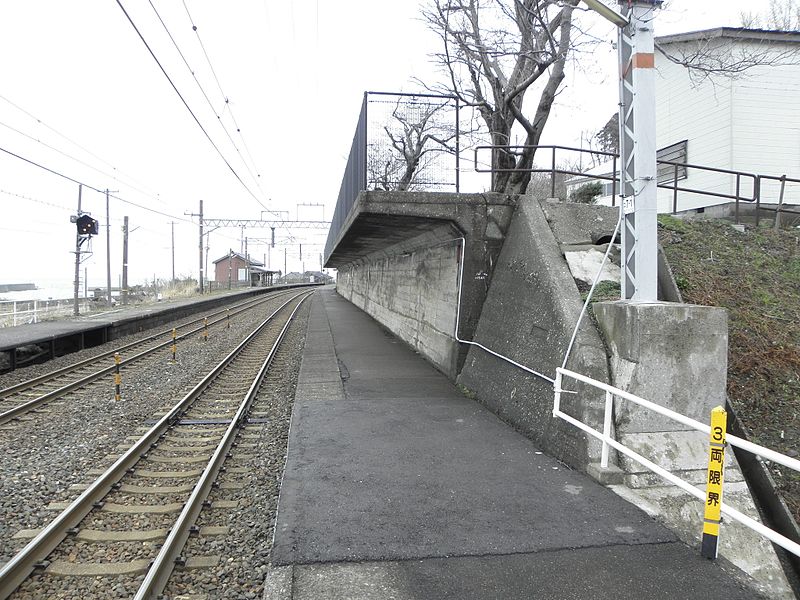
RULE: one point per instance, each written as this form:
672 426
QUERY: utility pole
124 290
108 250
172 224
637 139
76 309
285 271
108 253
246 263
207 236
202 274
200 214
230 266
638 151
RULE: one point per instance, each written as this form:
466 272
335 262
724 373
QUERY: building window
676 153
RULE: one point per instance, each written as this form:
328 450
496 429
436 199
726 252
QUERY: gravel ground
51 450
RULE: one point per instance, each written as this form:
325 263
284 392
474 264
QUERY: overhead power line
91 187
77 160
83 149
183 100
205 95
44 202
226 98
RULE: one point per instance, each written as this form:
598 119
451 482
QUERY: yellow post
174 343
205 329
716 470
117 376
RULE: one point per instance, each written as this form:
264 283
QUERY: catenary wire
204 93
228 107
183 100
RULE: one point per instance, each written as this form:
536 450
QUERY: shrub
587 193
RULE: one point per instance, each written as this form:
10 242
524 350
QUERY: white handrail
607 441
761 451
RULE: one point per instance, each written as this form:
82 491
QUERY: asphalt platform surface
399 487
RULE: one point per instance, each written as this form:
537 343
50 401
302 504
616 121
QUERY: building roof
738 33
252 261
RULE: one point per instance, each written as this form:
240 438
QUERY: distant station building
236 268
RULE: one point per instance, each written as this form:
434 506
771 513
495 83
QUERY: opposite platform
63 336
397 486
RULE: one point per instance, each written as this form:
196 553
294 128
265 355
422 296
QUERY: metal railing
372 143
609 442
679 170
353 181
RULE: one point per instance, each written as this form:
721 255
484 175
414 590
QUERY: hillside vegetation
756 276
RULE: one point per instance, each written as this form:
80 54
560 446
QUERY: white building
748 123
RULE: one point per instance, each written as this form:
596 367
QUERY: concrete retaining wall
529 314
413 295
398 258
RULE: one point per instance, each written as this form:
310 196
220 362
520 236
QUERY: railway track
127 530
34 393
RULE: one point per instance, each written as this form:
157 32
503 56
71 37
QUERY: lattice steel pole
637 139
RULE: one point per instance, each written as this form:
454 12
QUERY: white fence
609 442
13 312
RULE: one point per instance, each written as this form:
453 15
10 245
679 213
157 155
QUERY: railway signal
87 225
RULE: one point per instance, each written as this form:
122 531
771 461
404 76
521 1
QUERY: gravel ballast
48 451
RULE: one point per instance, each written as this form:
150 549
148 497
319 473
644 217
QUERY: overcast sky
81 95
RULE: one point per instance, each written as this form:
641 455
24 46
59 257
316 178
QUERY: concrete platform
397 486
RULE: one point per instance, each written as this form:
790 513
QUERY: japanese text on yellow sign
716 461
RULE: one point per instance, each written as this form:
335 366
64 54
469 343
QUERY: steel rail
26 407
24 385
14 572
161 569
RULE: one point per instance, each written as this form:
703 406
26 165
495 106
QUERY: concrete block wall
529 314
414 295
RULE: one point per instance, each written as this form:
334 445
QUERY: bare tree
414 136
493 52
782 15
608 137
711 57
714 57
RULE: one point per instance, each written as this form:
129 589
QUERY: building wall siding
687 109
766 127
221 269
749 123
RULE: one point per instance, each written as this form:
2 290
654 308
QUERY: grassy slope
756 276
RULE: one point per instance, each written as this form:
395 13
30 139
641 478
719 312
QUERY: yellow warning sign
714 481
